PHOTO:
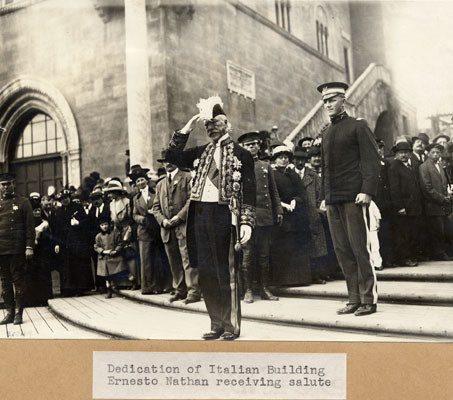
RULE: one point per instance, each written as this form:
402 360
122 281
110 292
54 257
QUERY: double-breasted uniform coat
17 231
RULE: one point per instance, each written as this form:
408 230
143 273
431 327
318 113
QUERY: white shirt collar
224 137
173 173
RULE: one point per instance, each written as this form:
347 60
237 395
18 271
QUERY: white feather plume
206 105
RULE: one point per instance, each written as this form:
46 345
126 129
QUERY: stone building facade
84 80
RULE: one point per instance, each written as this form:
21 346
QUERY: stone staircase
415 304
316 119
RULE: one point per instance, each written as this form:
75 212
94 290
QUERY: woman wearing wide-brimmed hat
290 245
121 216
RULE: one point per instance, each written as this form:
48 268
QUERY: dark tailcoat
210 232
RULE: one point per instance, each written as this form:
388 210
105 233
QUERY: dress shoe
318 281
248 296
381 268
18 319
213 335
348 309
177 296
191 299
228 336
109 293
366 309
9 317
408 263
266 294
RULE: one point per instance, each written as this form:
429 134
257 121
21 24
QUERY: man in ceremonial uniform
223 194
350 175
17 240
268 212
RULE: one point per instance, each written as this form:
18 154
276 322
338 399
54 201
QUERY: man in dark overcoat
256 252
406 202
170 210
17 241
223 194
436 199
350 173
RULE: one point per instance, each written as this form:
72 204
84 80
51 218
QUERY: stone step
416 292
400 319
122 318
440 271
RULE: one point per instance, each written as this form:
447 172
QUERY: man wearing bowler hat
17 240
221 211
350 173
269 212
406 203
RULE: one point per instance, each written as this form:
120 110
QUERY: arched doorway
21 101
34 154
384 129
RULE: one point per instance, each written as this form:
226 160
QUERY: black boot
8 298
19 311
109 290
265 293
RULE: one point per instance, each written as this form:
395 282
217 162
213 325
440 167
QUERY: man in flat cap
269 212
437 201
406 201
223 194
17 241
350 173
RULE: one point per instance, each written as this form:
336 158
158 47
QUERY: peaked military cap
331 89
249 137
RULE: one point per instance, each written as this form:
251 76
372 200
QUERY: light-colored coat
170 200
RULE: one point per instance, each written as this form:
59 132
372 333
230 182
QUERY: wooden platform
41 323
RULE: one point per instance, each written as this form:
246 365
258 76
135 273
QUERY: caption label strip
147 375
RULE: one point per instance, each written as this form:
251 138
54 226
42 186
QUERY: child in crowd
109 246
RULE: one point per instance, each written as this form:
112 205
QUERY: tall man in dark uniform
350 175
223 194
17 240
269 211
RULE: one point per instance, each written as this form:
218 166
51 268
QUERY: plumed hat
210 108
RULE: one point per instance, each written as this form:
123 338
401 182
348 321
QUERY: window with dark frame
322 38
39 137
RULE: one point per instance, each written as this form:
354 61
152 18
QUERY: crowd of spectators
111 233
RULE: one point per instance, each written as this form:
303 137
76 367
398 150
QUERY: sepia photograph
226 170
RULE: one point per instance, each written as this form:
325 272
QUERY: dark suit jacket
404 188
170 200
434 187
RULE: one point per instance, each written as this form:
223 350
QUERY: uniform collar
339 117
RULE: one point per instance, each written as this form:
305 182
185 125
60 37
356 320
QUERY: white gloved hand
246 233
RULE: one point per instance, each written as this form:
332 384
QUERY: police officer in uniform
17 240
256 251
350 175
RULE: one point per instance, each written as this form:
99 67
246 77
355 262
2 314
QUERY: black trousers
12 272
217 275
